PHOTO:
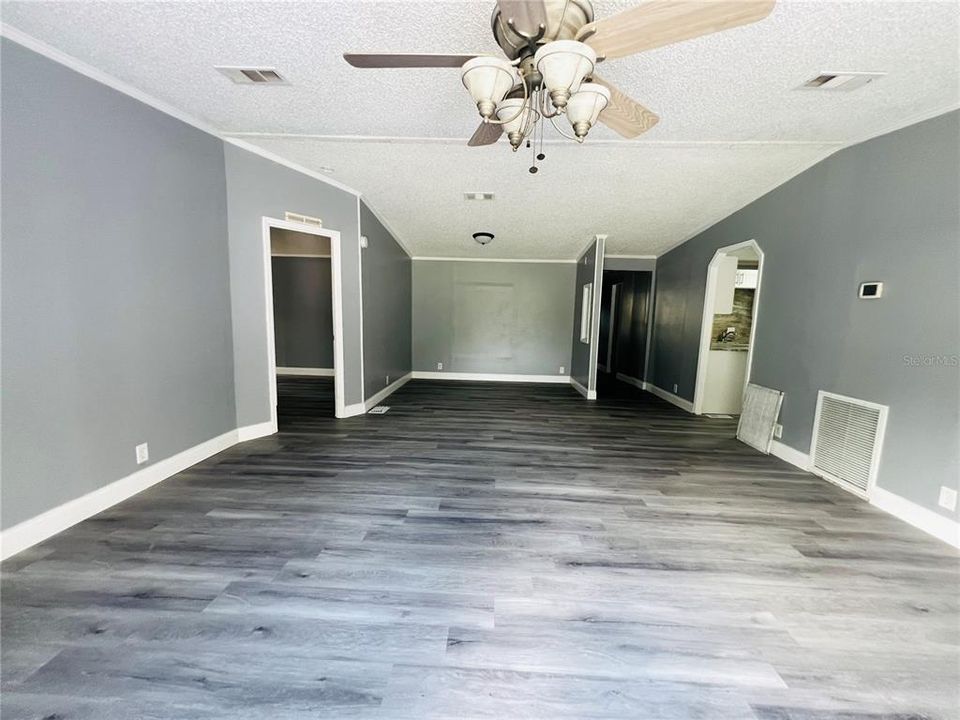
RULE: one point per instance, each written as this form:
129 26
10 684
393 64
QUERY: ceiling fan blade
527 15
623 114
406 60
486 134
661 22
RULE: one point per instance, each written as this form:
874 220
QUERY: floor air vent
379 409
847 435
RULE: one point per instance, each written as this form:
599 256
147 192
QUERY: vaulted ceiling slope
733 123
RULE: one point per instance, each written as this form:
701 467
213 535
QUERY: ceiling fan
552 49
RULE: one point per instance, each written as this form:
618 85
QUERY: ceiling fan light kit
553 48
488 80
563 64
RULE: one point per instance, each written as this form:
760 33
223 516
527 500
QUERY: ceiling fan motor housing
564 18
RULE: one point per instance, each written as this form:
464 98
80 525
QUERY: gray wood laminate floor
485 551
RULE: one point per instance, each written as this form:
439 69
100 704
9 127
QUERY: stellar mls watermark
931 360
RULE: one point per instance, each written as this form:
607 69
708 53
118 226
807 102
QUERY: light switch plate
778 431
948 498
675 388
143 453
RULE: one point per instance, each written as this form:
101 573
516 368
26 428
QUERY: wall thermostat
871 290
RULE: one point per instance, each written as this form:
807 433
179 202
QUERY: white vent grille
252 76
843 81
302 219
847 436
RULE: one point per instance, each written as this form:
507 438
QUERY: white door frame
611 325
337 301
706 322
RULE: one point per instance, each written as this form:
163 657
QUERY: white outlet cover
439 366
676 388
948 498
778 430
143 453
562 368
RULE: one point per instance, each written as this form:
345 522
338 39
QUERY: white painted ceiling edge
246 141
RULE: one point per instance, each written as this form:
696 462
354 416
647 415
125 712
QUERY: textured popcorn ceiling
732 126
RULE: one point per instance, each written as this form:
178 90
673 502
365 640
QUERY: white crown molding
297 167
631 257
386 226
907 122
408 140
799 170
77 65
493 260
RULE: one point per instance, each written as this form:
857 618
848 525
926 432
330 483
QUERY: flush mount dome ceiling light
483 238
552 49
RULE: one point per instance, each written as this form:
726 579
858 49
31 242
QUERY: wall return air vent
252 76
847 437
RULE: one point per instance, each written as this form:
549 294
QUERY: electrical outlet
676 388
562 368
778 430
948 498
388 380
143 453
439 366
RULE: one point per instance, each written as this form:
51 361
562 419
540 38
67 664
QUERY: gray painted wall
257 187
303 312
886 209
387 306
478 317
115 285
582 352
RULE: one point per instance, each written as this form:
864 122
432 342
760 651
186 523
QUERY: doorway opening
728 328
625 309
304 315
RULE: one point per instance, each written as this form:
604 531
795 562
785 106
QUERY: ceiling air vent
252 76
847 436
478 196
841 81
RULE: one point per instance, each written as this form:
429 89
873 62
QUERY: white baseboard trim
930 522
631 380
588 394
790 455
669 397
305 371
352 410
489 377
252 432
375 400
37 529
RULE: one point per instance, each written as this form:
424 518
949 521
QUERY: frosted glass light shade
585 106
488 80
564 64
523 120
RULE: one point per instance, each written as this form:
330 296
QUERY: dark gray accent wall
887 210
387 306
492 317
258 187
631 322
303 312
115 285
582 353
